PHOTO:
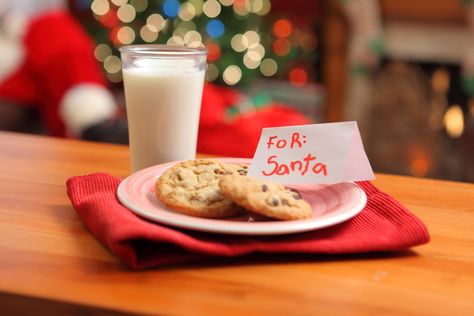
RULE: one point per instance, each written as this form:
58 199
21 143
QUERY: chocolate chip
242 172
297 196
284 202
264 188
273 201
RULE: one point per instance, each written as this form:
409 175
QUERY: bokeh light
100 7
251 60
212 72
282 47
226 3
139 5
197 4
215 28
298 77
112 64
187 11
192 39
282 28
147 34
171 8
454 121
119 3
240 8
102 51
211 8
126 35
126 13
175 40
232 75
213 51
239 43
268 67
155 22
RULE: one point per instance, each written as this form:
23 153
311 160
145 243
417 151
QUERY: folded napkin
383 225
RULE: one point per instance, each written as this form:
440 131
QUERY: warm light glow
102 51
266 6
211 8
175 40
440 80
268 67
147 34
114 77
251 60
213 51
126 35
298 77
282 28
198 4
155 22
139 5
232 74
454 121
119 3
308 42
187 11
100 7
282 47
212 72
226 3
193 39
112 64
258 49
254 6
239 42
126 13
419 167
240 7
252 38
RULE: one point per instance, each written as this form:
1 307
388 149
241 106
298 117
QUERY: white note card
316 153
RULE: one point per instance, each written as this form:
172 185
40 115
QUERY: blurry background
403 69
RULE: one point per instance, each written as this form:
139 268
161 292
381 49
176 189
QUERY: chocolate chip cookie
265 197
191 187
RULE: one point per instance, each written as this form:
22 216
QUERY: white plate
332 204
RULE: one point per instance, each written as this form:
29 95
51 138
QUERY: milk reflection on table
163 100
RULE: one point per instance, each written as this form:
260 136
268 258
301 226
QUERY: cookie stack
213 189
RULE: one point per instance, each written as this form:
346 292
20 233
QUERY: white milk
163 114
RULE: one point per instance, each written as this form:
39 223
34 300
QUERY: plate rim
237 228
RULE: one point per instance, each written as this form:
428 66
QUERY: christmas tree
243 40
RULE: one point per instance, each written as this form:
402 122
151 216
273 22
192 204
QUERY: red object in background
59 55
238 137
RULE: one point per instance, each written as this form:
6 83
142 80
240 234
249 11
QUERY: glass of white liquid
163 93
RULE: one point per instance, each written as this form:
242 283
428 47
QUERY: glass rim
163 50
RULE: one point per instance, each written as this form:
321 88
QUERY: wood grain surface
51 265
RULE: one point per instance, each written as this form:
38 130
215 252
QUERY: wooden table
50 264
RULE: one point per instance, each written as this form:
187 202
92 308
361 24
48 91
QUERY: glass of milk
163 92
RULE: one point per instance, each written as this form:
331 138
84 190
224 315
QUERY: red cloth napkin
383 225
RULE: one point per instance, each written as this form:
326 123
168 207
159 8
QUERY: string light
454 121
139 5
155 22
266 7
226 3
193 39
254 6
187 11
126 35
175 40
126 13
112 64
211 8
240 7
102 51
282 28
239 42
119 3
197 4
282 47
232 75
212 72
100 7
147 34
251 60
268 67
215 28
298 77
171 8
